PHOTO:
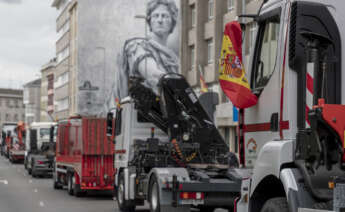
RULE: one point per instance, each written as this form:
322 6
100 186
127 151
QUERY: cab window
265 52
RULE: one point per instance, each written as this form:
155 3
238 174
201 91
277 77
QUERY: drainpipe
244 39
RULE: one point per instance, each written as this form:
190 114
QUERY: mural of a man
149 58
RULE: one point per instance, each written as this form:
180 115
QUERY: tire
70 184
206 209
33 172
278 204
124 205
154 200
56 184
76 188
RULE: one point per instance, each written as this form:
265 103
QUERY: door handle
274 122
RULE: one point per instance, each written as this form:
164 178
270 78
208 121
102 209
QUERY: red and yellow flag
232 76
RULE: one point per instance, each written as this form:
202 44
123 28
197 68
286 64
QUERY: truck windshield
8 128
44 132
266 51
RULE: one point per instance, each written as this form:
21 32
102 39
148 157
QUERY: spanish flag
232 76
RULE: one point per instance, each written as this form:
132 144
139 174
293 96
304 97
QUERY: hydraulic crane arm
178 112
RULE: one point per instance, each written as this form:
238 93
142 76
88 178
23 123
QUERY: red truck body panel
83 144
17 149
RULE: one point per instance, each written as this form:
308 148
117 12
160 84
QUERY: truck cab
40 148
168 151
7 132
295 71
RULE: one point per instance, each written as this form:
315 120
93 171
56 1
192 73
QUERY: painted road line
4 182
41 204
35 190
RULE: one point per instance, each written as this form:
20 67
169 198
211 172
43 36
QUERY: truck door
261 121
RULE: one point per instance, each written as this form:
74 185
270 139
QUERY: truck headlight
185 136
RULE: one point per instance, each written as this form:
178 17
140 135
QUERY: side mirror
33 139
118 121
110 126
51 134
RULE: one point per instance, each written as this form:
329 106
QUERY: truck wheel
70 184
25 164
33 172
154 195
278 204
56 184
76 188
206 209
124 205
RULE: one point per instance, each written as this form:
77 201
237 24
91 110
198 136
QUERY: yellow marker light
331 185
246 198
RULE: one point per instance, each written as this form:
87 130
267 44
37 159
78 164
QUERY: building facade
32 101
202 29
66 66
12 108
47 91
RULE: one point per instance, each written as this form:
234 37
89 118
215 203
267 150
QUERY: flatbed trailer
84 157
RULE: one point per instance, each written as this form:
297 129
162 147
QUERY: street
19 192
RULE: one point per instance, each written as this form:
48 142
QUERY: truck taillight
192 195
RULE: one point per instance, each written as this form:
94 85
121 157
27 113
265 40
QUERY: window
231 5
62 104
44 132
252 31
63 54
192 57
193 14
214 88
8 117
63 5
50 81
16 103
15 117
265 54
63 29
51 99
61 80
8 103
210 9
209 51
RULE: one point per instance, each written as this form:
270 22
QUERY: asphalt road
19 192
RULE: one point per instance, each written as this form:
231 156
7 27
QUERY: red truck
16 143
84 156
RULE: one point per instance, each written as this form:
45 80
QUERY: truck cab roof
43 124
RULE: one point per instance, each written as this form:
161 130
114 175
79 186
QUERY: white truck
292 140
40 148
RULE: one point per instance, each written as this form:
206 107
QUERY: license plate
192 202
